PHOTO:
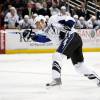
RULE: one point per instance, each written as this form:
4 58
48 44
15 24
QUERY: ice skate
94 76
98 80
55 82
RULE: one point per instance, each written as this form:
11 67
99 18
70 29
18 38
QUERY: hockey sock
56 70
56 66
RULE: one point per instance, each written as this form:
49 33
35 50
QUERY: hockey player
39 35
71 46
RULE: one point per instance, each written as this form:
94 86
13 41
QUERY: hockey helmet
68 24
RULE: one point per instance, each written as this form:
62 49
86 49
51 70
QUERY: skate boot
94 76
55 82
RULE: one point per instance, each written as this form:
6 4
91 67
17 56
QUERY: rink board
47 50
16 43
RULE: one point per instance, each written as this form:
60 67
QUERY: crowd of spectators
23 15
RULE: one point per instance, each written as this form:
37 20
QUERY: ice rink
23 77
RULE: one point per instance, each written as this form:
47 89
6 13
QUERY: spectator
40 10
82 22
32 20
78 24
54 10
25 23
19 5
49 3
29 10
82 11
11 19
8 9
92 23
64 12
62 3
56 2
47 10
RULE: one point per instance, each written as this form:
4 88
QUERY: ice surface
23 77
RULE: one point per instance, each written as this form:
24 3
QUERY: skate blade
96 81
54 87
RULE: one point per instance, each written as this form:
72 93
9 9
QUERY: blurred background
13 13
